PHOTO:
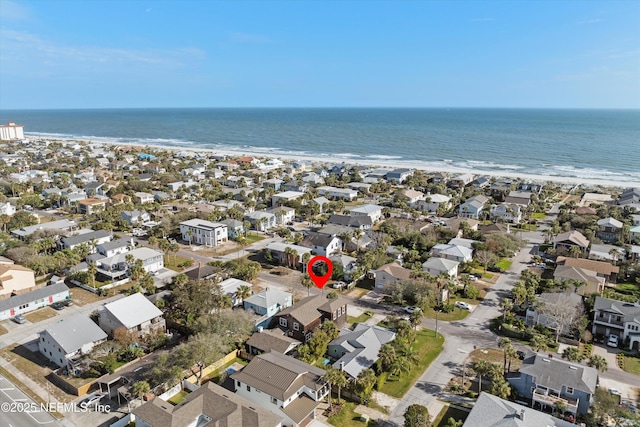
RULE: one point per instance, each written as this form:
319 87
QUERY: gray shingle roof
133 310
85 238
28 297
364 343
491 411
555 373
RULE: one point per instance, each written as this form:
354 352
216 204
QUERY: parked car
338 285
91 400
615 391
521 354
58 305
463 305
612 341
19 318
494 269
67 303
410 309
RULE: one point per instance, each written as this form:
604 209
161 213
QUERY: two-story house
135 217
90 239
115 247
322 244
573 238
507 212
286 386
67 340
610 229
389 274
302 319
612 317
472 207
436 266
134 313
267 304
203 232
453 252
545 381
372 211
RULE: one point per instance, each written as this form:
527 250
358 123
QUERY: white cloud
12 11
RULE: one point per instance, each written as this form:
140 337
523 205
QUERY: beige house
15 279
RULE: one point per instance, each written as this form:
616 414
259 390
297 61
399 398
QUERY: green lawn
253 238
538 215
632 365
448 412
171 262
504 264
347 417
360 319
178 398
456 314
429 347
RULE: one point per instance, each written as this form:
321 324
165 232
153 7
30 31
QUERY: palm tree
598 362
538 342
307 283
387 355
507 305
243 292
482 367
338 378
572 354
505 343
92 270
399 366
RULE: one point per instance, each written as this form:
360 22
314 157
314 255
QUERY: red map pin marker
320 281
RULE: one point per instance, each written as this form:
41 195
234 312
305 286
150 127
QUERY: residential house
143 198
90 239
412 197
15 279
322 244
345 194
534 316
630 196
372 211
267 340
585 282
634 231
235 228
601 268
361 187
398 176
135 217
261 220
356 350
607 253
266 304
63 342
62 226
303 318
480 182
283 214
230 287
436 266
7 208
363 222
492 411
461 180
312 178
349 266
433 203
390 274
203 232
520 198
472 207
507 212
211 405
613 317
134 313
278 251
115 247
452 252
203 272
545 381
273 183
116 267
284 197
573 238
610 229
288 387
500 189
32 300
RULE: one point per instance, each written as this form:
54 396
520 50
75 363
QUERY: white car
411 310
91 400
338 285
613 341
463 305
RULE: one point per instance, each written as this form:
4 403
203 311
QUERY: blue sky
143 53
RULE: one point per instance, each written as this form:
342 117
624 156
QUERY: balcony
551 399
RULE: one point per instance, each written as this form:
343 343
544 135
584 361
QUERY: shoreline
393 163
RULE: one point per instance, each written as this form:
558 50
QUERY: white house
7 209
372 211
322 244
134 313
261 220
286 386
285 196
29 301
435 266
116 266
202 232
389 274
473 206
70 338
452 252
230 287
432 202
508 212
337 193
115 247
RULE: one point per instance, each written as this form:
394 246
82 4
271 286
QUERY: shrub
382 378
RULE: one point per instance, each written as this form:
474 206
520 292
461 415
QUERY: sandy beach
591 184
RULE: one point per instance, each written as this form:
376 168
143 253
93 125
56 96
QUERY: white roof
289 195
230 286
133 310
366 209
72 333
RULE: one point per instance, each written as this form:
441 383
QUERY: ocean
589 144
